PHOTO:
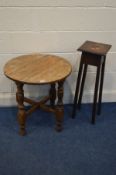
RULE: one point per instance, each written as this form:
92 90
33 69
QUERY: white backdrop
57 27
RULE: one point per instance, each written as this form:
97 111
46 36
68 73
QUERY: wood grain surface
37 69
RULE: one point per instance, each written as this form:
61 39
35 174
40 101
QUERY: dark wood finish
59 107
52 95
92 54
77 88
95 94
39 69
21 108
82 86
95 48
101 85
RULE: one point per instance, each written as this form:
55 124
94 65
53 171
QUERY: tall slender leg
77 89
21 109
95 95
101 86
52 95
82 86
59 107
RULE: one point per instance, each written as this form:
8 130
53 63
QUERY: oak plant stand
39 69
92 54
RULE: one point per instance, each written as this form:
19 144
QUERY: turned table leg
52 95
21 109
59 107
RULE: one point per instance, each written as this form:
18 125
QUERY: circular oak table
39 69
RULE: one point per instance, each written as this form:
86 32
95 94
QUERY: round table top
37 69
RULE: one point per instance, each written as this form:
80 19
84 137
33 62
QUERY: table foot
22 120
59 119
22 132
59 107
